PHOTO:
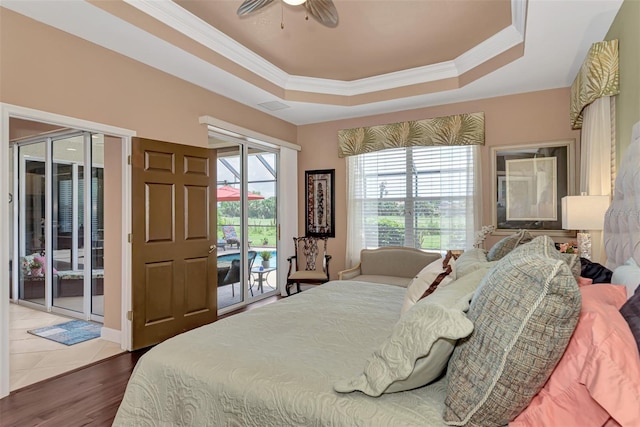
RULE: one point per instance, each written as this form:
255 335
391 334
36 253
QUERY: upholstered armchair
309 265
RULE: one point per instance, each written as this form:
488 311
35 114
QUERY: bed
538 341
256 373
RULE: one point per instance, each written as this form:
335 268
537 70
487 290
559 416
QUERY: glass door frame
19 228
244 144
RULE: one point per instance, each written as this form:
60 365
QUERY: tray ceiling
384 55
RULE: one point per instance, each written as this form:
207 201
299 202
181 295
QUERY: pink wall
46 69
112 227
509 120
49 70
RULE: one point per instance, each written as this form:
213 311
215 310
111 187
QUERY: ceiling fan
323 11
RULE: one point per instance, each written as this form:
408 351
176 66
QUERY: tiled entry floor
34 359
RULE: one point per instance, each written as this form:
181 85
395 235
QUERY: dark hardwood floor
88 396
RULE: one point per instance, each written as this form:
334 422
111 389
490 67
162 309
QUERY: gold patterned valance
598 77
461 129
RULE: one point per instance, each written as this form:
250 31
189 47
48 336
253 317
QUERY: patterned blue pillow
509 243
524 314
546 246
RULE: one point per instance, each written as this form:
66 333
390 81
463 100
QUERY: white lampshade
584 212
294 2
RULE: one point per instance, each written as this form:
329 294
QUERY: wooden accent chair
316 263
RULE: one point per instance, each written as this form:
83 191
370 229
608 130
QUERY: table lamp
584 213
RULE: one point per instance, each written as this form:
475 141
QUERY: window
422 197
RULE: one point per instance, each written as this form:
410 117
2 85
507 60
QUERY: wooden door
173 228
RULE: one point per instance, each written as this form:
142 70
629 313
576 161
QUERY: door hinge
130 315
129 237
129 159
278 231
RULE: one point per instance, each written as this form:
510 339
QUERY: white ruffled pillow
391 368
418 350
471 260
421 283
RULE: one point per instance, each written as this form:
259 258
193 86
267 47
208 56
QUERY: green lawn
262 232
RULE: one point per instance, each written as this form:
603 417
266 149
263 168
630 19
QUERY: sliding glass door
97 225
262 220
31 222
246 220
233 252
67 227
59 225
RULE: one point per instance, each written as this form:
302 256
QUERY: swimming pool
256 263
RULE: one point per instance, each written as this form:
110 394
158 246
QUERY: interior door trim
10 110
220 126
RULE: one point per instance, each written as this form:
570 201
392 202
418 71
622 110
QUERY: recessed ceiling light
71 149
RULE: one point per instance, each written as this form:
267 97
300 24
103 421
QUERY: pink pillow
42 261
584 281
597 381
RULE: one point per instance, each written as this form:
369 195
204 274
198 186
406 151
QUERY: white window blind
420 197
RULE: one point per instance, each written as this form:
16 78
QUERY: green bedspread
276 366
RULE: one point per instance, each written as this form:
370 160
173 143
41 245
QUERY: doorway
247 221
19 124
58 223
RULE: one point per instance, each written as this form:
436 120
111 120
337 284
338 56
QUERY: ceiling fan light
294 2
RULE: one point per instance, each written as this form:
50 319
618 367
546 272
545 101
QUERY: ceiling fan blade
249 6
324 11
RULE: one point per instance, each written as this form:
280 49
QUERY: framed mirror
528 184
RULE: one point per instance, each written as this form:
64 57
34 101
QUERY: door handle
212 248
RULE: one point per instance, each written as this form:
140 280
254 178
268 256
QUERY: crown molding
519 15
183 21
441 71
491 47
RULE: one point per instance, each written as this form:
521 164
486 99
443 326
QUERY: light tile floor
33 359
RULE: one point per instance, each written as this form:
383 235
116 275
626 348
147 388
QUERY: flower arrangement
481 235
31 266
569 247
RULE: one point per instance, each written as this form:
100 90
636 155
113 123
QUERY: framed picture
319 194
528 184
531 186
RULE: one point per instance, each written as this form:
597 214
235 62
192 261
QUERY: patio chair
316 263
230 235
233 275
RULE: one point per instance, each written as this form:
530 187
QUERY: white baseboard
109 334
